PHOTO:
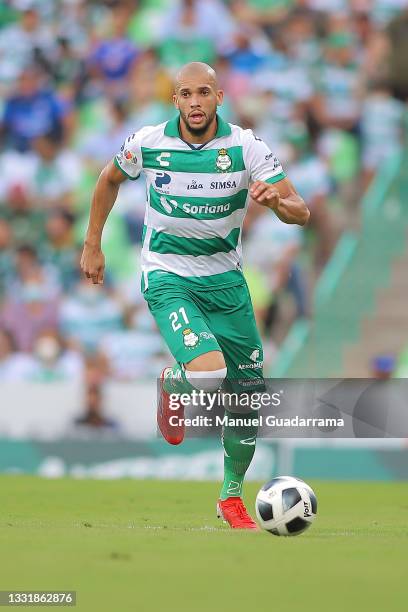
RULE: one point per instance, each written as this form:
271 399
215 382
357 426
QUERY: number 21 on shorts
174 318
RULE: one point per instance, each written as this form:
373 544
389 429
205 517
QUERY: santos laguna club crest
190 338
223 161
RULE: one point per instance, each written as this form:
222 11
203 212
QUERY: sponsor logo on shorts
250 382
256 362
206 335
254 355
257 365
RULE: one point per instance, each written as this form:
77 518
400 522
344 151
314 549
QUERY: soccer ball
286 506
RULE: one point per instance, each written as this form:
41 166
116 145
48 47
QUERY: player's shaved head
197 71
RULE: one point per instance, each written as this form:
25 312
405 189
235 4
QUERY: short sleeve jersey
197 197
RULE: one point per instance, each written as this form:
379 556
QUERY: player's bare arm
103 199
283 199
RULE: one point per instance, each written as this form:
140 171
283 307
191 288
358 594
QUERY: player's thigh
233 323
181 323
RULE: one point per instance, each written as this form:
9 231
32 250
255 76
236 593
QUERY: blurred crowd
324 83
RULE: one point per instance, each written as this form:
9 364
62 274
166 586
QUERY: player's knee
213 360
206 380
207 372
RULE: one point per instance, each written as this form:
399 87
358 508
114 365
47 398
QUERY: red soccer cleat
173 434
233 512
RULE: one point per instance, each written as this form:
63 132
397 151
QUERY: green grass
153 545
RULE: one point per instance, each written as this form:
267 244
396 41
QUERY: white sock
206 381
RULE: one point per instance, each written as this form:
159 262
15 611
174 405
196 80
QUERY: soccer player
201 173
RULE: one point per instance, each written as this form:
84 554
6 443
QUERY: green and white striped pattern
196 199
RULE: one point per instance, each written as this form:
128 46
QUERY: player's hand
93 263
265 194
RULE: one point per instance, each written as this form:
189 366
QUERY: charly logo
163 159
194 185
168 205
162 181
223 161
190 338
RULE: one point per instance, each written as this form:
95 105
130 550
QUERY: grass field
150 545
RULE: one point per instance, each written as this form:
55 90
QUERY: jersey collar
172 128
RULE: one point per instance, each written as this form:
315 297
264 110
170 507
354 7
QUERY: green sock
239 447
176 381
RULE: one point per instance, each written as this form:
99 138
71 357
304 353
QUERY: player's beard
198 131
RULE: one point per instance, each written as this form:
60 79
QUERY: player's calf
177 380
170 413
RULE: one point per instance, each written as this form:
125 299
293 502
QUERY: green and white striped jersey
197 198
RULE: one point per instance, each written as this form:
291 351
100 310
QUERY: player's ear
175 101
220 97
